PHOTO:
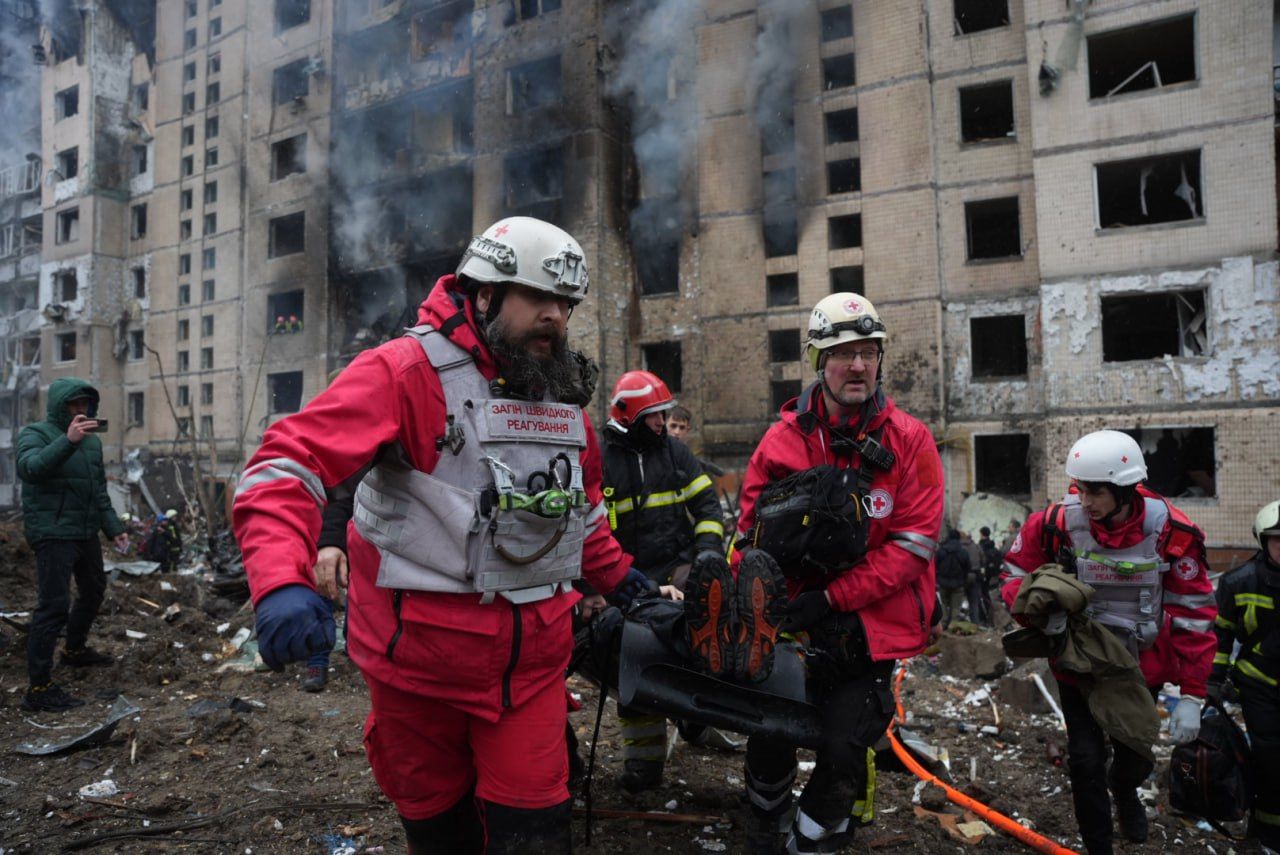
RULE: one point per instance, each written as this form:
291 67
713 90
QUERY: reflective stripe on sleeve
1013 571
666 497
1190 601
597 514
917 544
709 527
1192 624
1222 622
279 468
1222 659
1247 668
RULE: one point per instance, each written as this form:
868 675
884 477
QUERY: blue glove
293 624
634 584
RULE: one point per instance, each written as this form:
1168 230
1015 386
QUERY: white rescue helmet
841 317
1267 523
171 514
1107 456
531 252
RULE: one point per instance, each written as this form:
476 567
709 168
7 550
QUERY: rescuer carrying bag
1209 776
812 522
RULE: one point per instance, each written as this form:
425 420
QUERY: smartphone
102 426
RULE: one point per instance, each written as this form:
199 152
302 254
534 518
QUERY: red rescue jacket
481 658
892 588
1183 652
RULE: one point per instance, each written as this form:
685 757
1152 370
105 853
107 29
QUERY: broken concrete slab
1019 690
977 656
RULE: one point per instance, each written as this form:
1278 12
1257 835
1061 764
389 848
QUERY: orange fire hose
999 820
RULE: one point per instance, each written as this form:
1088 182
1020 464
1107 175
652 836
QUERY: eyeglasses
868 355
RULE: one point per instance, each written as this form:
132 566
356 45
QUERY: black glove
805 610
634 584
711 558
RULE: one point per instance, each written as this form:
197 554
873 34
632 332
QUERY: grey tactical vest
447 530
1128 582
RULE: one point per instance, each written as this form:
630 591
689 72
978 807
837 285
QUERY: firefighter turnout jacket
1247 614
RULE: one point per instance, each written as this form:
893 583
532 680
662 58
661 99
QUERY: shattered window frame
1182 460
67 225
184 363
782 289
184 264
188 135
67 285
184 330
290 83
206 394
839 72
215 28
784 346
67 162
64 347
998 451
138 221
297 144
996 342
212 95
206 358
184 294
284 392
139 282
841 126
1109 191
532 85
1162 36
962 9
844 231
189 72
972 100
666 359
141 160
982 244
848 278
526 10
137 345
287 235
291 13
533 180
844 175
137 408
836 23
285 303
66 103
1147 326
212 126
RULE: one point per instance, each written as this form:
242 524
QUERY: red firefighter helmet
635 395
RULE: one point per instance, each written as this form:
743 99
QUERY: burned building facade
1063 211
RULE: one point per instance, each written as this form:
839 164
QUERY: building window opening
290 82
844 232
189 73
533 85
68 226
784 346
994 231
1181 461
141 96
534 8
209 258
781 391
184 330
292 13
140 160
1002 464
999 346
838 72
1147 56
288 157
842 126
137 345
65 347
184 294
67 163
207 290
184 361
780 221
186 199
139 283
664 359
66 286
189 135
206 393
986 112
534 183
288 235
212 95
206 325
210 192
847 280
778 135
66 103
137 409
206 359
184 230
284 312
443 38
782 289
284 392
844 176
188 103
1144 191
837 23
974 16
655 241
1152 326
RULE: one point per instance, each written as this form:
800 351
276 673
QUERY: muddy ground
285 771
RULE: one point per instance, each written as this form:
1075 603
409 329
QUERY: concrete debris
979 655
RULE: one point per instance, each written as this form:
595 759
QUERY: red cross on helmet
636 395
1108 457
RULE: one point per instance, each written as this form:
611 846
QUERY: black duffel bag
1210 776
812 522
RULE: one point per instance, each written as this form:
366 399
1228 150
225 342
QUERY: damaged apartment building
1062 208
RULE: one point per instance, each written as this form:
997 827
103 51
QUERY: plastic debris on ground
95 735
247 661
99 790
132 568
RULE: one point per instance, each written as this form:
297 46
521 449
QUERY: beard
534 376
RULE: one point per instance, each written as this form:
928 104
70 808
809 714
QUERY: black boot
457 831
639 776
519 831
49 697
1131 816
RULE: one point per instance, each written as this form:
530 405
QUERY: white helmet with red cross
1108 457
840 317
530 252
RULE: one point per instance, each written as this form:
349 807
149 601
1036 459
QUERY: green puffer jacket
64 485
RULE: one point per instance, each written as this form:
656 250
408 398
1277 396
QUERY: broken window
141 96
292 13
189 135
993 228
189 73
780 221
784 345
999 346
656 247
986 112
844 176
838 71
67 163
534 183
206 325
284 392
65 347
287 235
533 8
184 294
184 264
1139 192
209 258
288 156
1151 326
184 329
188 103
207 290
137 409
212 94
65 286
210 192
842 126
139 283
282 307
974 16
289 82
1181 461
782 289
847 280
184 426
664 359
442 37
206 359
781 391
1002 464
68 226
844 232
206 393
210 224
1147 56
837 23
140 160
137 345
66 103
184 363
778 135
533 84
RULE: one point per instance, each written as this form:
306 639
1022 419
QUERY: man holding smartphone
64 506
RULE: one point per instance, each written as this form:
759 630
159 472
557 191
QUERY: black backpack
1210 776
812 522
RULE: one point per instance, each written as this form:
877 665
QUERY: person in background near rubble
992 564
663 511
1146 562
679 423
164 544
975 592
952 570
466 432
64 506
865 616
1010 535
1247 600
